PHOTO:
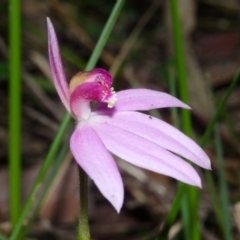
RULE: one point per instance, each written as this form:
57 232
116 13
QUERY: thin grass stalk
222 186
64 124
215 198
220 108
190 201
14 111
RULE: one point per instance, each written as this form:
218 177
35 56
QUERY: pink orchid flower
113 124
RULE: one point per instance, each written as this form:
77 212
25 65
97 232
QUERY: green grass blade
215 198
223 186
14 111
190 201
220 108
64 124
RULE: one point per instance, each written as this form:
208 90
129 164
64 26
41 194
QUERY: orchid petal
159 132
91 154
57 71
145 154
143 99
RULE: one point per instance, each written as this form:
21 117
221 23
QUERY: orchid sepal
56 67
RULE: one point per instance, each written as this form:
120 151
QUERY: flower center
93 85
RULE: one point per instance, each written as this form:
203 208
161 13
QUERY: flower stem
83 227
